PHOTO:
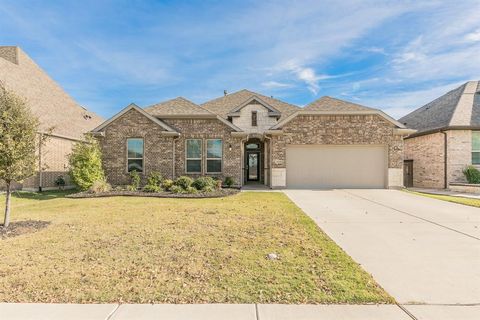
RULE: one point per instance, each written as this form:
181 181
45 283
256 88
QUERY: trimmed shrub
203 182
86 163
191 190
472 174
229 181
167 184
134 181
184 182
60 182
176 189
100 186
154 181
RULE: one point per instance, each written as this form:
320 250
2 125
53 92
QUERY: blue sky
394 55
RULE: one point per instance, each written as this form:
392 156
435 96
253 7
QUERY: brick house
256 139
447 138
61 118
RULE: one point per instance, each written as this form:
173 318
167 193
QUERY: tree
18 142
86 163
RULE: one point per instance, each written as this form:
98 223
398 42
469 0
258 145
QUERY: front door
253 166
408 173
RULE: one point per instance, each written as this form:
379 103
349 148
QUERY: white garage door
321 166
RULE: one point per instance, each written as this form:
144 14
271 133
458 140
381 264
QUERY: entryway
254 162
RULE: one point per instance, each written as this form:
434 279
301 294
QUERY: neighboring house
257 139
61 118
447 140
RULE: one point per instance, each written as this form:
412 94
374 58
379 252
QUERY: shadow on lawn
44 195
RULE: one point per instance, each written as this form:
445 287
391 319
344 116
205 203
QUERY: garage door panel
321 166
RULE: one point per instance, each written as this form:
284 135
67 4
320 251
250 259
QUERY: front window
475 147
134 154
194 156
214 155
254 118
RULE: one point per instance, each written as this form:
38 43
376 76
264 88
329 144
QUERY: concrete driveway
420 250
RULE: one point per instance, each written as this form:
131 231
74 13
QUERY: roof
457 108
327 103
132 106
177 106
226 104
46 99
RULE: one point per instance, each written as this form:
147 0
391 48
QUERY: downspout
445 157
40 175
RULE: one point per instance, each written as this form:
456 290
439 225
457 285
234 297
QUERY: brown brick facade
159 149
339 130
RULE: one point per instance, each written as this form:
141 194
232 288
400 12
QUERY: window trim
254 119
472 151
207 158
143 154
186 156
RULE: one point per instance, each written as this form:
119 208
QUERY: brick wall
427 153
339 130
459 154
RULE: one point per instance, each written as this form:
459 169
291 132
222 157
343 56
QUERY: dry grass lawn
144 250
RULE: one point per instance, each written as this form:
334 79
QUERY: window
135 154
475 147
253 146
194 156
254 118
214 155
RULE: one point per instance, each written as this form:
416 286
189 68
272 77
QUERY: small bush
167 184
229 181
218 184
191 190
154 178
86 163
60 182
152 188
472 174
176 189
208 189
203 182
134 181
184 182
100 186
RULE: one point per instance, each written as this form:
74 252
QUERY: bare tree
18 141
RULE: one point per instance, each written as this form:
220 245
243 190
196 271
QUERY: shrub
176 189
100 186
202 182
229 181
134 181
191 190
472 174
218 184
152 188
86 163
208 189
167 184
184 182
60 182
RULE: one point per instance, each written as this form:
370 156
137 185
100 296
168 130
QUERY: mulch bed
18 228
215 194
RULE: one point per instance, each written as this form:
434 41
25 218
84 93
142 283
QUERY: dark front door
253 166
408 173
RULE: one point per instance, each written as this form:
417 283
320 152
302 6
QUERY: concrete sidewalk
33 311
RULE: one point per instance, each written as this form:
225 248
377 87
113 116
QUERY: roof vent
225 92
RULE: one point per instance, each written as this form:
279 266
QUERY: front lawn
148 250
465 201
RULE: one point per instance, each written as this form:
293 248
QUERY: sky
392 55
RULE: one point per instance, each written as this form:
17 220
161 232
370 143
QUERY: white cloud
276 85
473 36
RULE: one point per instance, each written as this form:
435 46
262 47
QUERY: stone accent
427 153
208 129
244 121
465 188
279 177
459 154
395 178
463 112
339 130
159 149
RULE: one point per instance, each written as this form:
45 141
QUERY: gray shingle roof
332 104
458 107
178 106
224 105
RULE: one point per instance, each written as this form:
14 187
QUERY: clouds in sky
395 55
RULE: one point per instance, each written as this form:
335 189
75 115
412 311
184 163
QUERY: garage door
321 166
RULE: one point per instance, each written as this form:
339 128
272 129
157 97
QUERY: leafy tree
18 142
86 163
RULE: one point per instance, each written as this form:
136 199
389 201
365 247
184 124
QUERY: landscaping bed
164 194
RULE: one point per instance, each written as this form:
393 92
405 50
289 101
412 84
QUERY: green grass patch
465 201
139 250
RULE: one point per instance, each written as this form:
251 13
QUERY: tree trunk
6 221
